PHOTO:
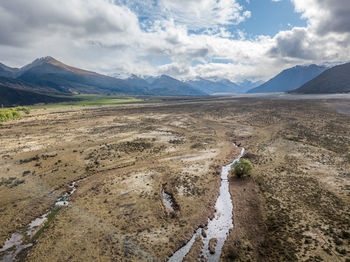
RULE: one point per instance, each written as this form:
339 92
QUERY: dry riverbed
295 207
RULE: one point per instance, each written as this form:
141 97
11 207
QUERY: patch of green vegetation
241 168
98 100
50 217
94 96
12 113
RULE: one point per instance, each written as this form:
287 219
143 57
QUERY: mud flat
294 208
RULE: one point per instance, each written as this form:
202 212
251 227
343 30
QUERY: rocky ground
294 208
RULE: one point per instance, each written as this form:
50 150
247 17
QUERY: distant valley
45 78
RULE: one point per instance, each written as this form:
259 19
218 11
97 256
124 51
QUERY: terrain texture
295 207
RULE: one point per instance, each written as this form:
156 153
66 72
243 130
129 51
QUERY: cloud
326 38
185 39
325 16
197 14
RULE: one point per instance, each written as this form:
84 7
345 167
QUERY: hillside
289 79
212 87
50 73
10 96
222 86
6 71
168 86
333 80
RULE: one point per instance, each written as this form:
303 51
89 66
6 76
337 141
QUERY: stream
168 201
218 227
16 243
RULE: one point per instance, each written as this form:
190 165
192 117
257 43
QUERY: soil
295 207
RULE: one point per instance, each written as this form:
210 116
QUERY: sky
186 39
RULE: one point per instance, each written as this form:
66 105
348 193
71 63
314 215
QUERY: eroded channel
219 227
22 240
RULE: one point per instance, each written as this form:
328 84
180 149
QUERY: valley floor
296 206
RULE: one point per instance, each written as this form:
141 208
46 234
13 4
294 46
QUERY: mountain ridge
333 80
290 79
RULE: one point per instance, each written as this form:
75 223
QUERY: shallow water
168 201
14 245
219 226
182 252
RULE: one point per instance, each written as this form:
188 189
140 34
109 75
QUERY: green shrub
12 113
241 168
23 109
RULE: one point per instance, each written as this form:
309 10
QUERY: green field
97 100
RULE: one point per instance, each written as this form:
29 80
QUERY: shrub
23 109
241 168
12 113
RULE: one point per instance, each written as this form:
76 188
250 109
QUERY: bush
23 109
241 168
12 113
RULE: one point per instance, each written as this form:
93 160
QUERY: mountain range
289 79
333 80
165 86
222 86
46 76
58 77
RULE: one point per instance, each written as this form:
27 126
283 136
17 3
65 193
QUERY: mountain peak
50 61
165 76
38 62
44 60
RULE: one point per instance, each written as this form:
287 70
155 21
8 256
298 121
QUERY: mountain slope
289 79
14 92
138 81
6 71
222 86
333 80
48 72
168 86
213 87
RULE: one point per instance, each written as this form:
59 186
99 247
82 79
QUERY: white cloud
197 14
108 38
326 38
325 16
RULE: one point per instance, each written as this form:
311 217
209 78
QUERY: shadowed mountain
168 86
138 81
165 85
214 87
333 80
50 73
7 71
14 92
222 86
289 79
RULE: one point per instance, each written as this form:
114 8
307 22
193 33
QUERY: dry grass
298 201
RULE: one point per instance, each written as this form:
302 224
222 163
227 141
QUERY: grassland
295 207
96 100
